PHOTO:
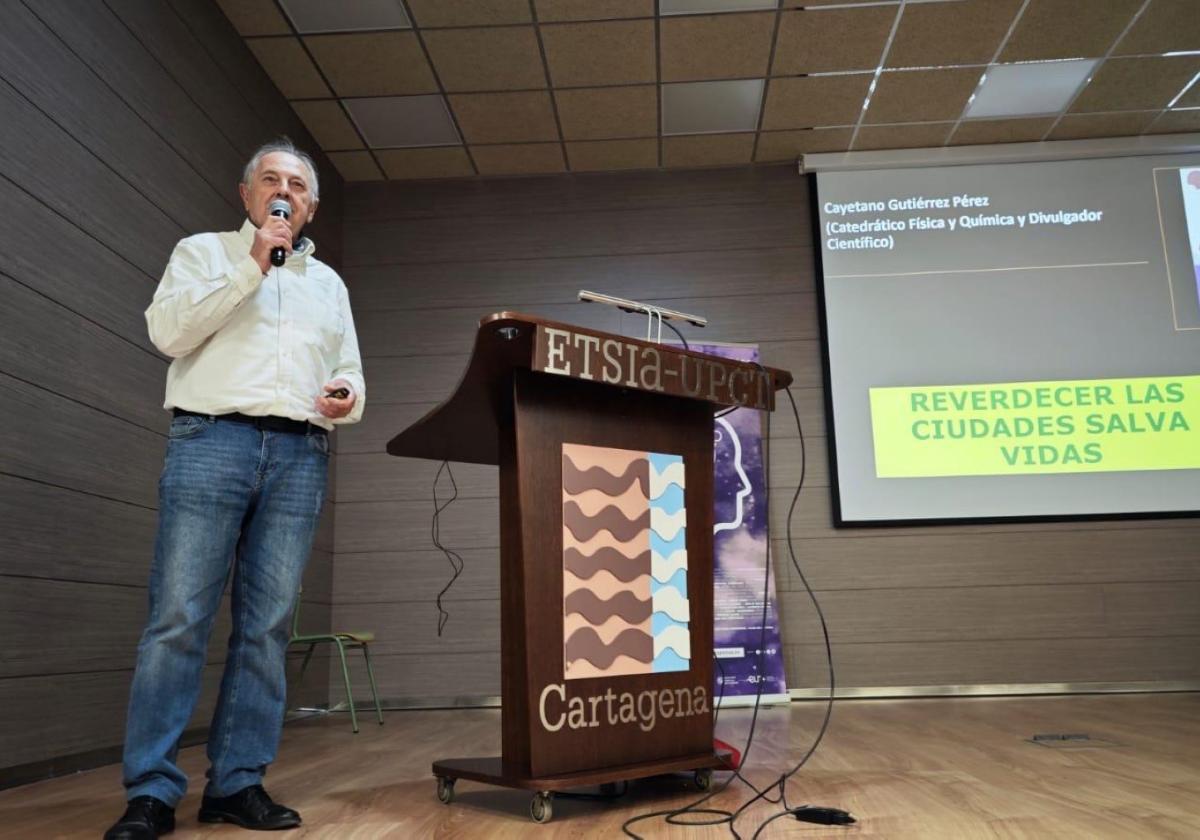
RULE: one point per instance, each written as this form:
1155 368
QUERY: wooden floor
934 768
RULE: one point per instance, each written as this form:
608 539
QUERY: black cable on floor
730 817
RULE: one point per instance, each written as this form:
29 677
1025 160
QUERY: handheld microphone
280 208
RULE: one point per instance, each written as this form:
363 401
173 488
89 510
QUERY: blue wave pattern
665 548
669 660
661 621
677 581
668 503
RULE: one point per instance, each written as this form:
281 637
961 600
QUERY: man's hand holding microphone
273 240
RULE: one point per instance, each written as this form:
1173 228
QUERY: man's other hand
332 407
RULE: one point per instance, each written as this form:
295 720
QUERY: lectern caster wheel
445 790
703 778
540 809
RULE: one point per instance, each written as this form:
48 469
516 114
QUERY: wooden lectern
605 449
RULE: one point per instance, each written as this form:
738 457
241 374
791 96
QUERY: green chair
341 641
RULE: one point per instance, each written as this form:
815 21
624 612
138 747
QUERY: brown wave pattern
585 643
584 527
606 562
608 631
623 568
576 480
624 604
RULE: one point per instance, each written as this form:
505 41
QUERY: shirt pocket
319 317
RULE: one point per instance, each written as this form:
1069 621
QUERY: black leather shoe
250 807
145 818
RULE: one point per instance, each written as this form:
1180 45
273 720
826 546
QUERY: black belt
266 424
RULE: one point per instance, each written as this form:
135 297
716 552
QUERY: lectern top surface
466 426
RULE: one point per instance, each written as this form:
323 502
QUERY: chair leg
346 678
374 690
307 658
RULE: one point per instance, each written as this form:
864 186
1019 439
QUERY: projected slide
1016 340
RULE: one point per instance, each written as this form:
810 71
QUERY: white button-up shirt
253 343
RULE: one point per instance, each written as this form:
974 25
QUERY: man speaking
265 362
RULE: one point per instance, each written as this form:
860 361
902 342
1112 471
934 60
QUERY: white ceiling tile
1043 87
691 7
346 15
705 107
400 121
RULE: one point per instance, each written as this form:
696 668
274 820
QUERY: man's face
280 175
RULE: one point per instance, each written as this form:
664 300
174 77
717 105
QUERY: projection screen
1013 341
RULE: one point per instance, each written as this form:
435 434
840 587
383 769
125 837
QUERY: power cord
808 813
455 559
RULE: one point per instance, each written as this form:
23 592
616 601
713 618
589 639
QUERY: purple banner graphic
745 654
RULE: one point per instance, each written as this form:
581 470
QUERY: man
265 362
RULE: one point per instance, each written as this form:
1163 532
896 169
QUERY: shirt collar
305 249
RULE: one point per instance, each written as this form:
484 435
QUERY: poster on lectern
746 656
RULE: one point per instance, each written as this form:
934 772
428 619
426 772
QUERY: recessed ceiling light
1010 90
323 16
695 7
400 121
711 107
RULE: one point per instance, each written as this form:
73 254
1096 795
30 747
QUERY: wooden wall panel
94 628
553 197
949 613
48 344
167 38
41 158
81 103
997 661
410 627
956 558
45 715
517 282
907 606
635 230
43 251
414 677
110 50
415 575
92 451
103 541
390 526
126 125
814 518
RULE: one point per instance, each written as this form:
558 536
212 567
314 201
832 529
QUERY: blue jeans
227 491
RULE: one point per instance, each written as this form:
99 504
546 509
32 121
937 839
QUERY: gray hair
283 144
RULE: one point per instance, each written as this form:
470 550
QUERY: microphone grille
279 207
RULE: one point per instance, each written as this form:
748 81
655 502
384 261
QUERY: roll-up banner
745 654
